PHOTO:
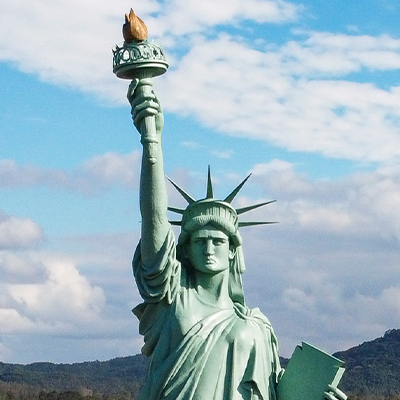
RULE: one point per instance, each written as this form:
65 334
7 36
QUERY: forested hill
372 372
373 368
119 378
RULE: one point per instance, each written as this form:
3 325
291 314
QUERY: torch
140 59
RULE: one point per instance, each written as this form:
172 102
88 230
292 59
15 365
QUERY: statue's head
209 231
214 222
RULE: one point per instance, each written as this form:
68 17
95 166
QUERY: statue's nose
209 248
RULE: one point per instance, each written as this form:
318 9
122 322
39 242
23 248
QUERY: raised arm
148 118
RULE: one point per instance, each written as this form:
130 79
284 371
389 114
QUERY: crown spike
232 195
244 224
187 197
210 192
176 210
243 210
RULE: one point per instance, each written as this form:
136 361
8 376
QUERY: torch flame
134 29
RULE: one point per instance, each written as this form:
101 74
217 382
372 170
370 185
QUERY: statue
204 343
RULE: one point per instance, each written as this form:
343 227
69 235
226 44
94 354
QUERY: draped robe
198 351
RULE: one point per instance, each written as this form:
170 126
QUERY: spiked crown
210 209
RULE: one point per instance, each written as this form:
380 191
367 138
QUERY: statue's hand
144 103
334 394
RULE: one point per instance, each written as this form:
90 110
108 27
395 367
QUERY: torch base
139 60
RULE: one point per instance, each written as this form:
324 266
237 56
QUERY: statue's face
209 250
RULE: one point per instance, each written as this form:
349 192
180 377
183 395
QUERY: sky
305 95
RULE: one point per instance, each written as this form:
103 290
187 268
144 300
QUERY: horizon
303 95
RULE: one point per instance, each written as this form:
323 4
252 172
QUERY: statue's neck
214 288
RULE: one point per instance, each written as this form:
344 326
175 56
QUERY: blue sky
303 94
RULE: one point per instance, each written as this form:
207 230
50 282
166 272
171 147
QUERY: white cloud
11 321
315 217
112 168
379 193
282 178
224 154
18 232
64 301
363 202
323 308
387 300
70 42
290 96
182 17
95 174
191 144
325 53
84 298
19 268
12 175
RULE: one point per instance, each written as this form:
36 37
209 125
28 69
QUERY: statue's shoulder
254 314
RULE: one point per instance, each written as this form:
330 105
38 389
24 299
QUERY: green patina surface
203 342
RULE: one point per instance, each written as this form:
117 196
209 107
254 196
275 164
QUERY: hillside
372 372
121 376
373 368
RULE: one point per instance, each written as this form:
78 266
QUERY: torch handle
149 137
